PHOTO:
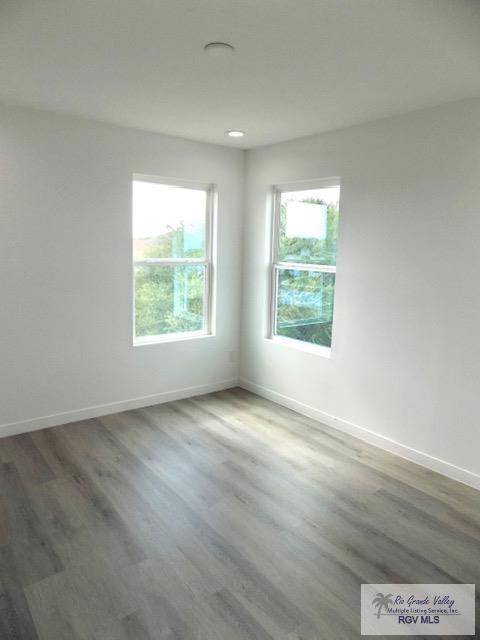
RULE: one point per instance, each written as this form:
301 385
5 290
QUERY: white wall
406 344
65 269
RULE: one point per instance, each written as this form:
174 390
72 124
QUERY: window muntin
304 263
172 260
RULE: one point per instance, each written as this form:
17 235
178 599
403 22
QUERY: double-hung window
304 256
172 247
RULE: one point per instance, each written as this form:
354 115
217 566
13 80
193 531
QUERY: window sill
319 350
173 337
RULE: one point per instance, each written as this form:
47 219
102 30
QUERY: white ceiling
301 66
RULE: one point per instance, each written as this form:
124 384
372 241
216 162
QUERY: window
304 263
172 259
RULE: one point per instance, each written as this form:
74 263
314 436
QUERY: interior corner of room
239 342
400 367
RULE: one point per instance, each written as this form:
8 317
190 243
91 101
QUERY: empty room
239 319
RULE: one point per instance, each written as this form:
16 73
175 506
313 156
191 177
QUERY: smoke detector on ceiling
218 49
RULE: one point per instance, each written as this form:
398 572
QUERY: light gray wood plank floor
221 517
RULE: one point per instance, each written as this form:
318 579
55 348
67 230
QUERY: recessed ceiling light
218 49
235 133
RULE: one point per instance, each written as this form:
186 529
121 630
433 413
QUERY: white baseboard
42 422
424 459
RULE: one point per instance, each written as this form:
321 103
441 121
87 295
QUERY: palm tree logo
382 602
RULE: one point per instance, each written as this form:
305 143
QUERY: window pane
305 305
169 299
308 227
168 221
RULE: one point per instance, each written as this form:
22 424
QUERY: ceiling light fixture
235 133
218 49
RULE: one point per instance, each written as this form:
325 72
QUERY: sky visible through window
159 207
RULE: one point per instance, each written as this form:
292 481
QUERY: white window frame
206 262
276 264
